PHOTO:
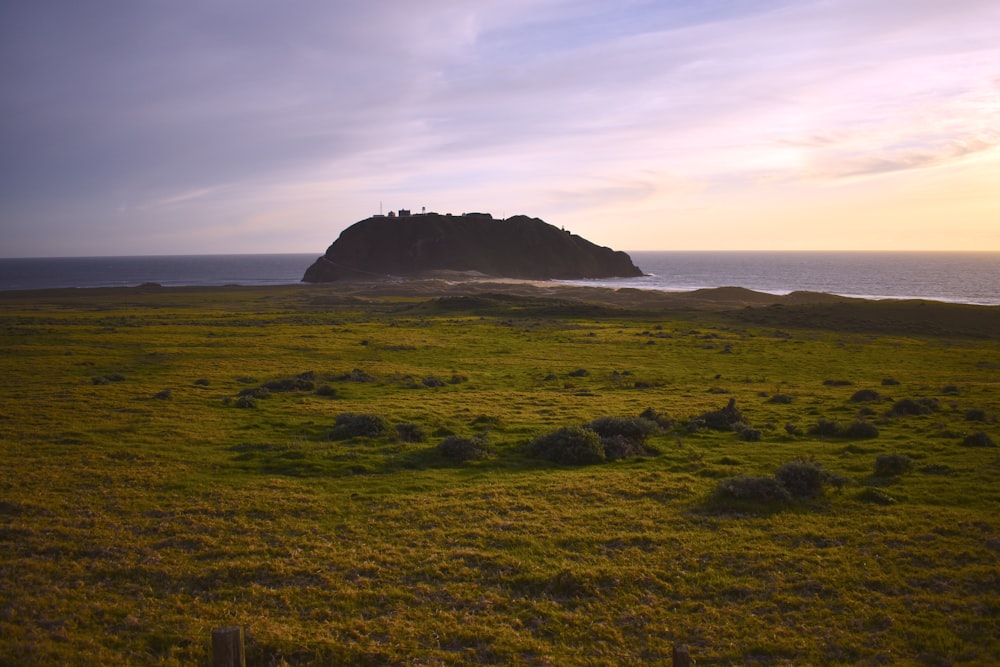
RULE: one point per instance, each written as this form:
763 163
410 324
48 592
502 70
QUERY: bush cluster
892 465
465 449
604 439
866 396
907 407
728 418
301 382
570 445
357 425
798 479
858 430
410 432
978 440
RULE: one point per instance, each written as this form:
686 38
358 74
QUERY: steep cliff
518 247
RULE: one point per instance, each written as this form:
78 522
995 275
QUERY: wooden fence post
227 647
682 657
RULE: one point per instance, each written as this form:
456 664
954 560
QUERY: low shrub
860 430
107 379
302 382
255 392
465 449
752 489
634 429
579 373
571 445
781 399
659 418
747 434
866 396
432 381
907 407
876 496
892 465
356 375
805 478
164 395
889 382
202 382
326 390
837 383
410 432
951 390
975 415
825 427
246 402
792 429
725 419
357 425
978 440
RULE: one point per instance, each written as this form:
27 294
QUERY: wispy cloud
310 112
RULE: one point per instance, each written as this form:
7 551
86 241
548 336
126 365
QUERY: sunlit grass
133 523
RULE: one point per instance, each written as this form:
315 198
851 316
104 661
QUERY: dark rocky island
412 245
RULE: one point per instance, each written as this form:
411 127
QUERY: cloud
217 110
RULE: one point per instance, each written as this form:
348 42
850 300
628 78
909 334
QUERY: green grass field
143 503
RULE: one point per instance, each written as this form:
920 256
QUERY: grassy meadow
172 462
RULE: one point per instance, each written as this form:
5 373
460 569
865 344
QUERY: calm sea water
957 277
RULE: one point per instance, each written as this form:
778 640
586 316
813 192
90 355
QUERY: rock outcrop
518 247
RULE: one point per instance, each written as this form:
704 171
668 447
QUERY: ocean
953 277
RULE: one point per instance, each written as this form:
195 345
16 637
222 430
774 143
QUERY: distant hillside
518 247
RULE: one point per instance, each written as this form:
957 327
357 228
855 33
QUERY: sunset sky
134 127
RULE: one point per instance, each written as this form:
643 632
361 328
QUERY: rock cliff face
518 247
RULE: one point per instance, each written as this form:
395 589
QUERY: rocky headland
519 247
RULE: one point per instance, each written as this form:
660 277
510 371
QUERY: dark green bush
301 382
725 419
432 381
255 392
571 445
978 440
747 434
246 402
357 425
781 399
326 390
825 427
975 415
909 407
866 396
202 382
634 429
792 429
465 449
579 373
860 430
877 496
356 375
805 478
892 465
164 395
752 489
660 419
410 432
889 382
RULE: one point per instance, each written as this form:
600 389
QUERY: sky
148 127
